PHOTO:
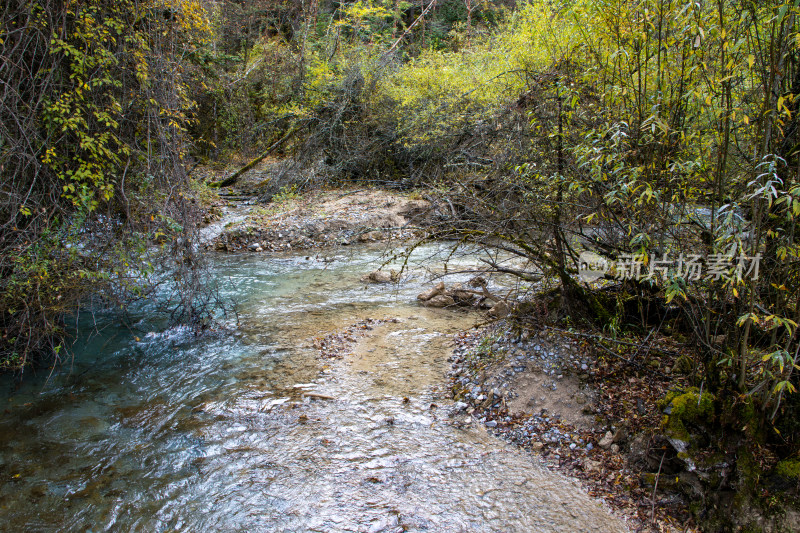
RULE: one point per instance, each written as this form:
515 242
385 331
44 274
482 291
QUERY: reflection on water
173 432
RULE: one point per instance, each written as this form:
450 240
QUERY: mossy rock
686 407
789 468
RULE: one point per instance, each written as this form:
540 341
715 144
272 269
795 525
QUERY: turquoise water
149 430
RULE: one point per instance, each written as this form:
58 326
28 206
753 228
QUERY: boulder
381 276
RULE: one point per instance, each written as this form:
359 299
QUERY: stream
151 430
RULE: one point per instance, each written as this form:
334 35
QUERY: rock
537 446
440 300
484 303
606 441
461 295
500 309
381 276
371 236
592 466
436 291
477 282
620 435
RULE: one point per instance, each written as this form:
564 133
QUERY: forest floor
593 418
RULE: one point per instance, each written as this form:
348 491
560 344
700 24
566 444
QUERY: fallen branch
318 396
227 182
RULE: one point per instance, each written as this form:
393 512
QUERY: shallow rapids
251 430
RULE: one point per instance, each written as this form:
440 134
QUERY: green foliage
440 92
92 142
287 193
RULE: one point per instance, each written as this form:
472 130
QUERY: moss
788 468
687 407
683 365
749 474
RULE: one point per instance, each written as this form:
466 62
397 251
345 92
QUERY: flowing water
163 431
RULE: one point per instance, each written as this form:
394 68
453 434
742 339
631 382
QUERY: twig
419 18
655 487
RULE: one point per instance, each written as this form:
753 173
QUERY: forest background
637 131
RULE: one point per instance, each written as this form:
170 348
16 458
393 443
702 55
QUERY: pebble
491 424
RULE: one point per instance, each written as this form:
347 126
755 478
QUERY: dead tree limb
227 182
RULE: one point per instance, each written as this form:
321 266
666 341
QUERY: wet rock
381 276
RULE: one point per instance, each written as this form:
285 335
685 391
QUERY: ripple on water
181 433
